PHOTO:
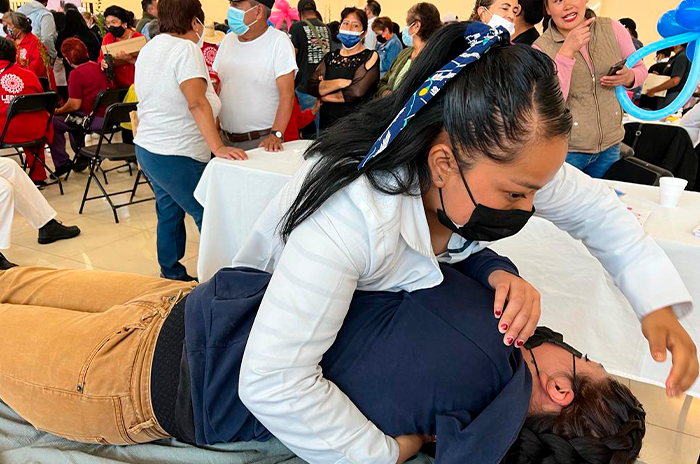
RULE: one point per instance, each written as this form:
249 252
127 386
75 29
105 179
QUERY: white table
579 299
233 194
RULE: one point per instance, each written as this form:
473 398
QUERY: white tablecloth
579 299
233 194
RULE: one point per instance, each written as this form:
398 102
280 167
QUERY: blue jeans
174 179
307 101
595 164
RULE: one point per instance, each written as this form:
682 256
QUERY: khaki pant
76 350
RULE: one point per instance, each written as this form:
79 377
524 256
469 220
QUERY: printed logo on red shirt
12 83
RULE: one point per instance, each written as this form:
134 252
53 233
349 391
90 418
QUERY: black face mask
547 335
116 31
486 224
381 39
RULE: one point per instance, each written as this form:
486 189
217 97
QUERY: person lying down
132 359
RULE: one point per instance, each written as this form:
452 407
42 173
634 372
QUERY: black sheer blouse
353 67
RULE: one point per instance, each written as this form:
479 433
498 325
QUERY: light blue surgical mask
406 37
349 39
236 20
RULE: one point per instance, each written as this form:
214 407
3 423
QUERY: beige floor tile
29 257
136 253
73 264
93 234
663 446
668 413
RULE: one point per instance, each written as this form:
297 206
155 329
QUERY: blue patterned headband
480 38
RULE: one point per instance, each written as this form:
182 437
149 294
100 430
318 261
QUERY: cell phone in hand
617 67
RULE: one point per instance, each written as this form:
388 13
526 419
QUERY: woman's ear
560 391
441 163
483 13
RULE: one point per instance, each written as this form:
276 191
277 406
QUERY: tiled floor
673 433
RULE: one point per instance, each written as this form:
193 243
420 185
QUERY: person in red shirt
31 53
85 82
117 22
300 119
16 80
212 40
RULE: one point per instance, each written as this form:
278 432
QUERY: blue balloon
690 51
688 14
668 26
683 97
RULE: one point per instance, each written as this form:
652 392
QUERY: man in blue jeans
595 164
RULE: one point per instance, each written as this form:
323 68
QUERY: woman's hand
103 64
624 77
230 153
410 445
519 320
663 331
577 39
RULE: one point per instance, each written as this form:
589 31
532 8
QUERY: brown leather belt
254 135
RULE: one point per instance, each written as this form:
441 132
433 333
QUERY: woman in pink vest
589 53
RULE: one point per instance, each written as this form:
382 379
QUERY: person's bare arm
669 84
285 87
195 92
73 104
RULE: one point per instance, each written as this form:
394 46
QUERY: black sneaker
5 264
40 184
62 170
80 163
55 230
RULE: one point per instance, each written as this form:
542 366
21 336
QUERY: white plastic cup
671 191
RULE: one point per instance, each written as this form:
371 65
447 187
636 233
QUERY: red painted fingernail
519 343
497 313
504 327
509 341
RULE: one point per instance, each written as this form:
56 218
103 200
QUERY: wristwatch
278 134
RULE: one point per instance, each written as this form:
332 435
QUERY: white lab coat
362 239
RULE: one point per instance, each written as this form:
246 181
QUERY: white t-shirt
166 125
248 73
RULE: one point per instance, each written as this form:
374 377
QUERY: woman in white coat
473 139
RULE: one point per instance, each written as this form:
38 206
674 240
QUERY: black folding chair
32 103
636 171
115 115
104 99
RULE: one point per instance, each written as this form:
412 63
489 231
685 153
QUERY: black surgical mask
381 39
486 224
116 31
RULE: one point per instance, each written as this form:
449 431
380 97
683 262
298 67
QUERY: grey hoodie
43 25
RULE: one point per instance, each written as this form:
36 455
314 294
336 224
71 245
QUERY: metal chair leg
93 165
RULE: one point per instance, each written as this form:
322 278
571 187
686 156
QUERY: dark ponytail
603 425
502 102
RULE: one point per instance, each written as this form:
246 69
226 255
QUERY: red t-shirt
209 51
124 74
32 54
25 127
84 83
298 120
